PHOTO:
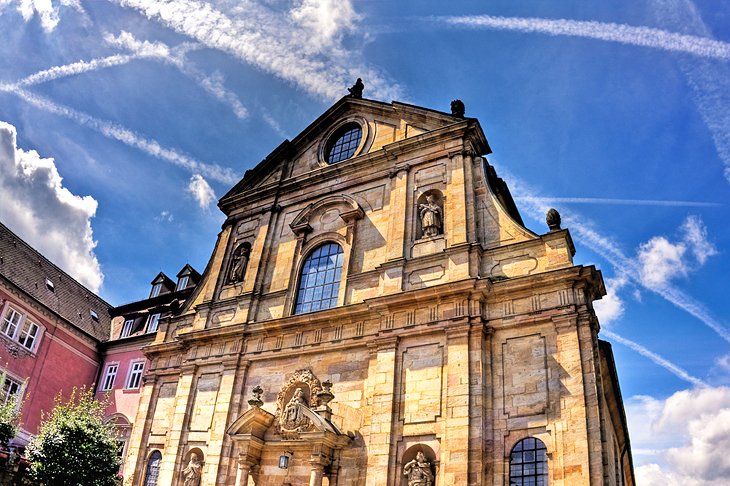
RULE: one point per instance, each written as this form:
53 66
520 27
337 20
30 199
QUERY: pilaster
381 390
220 420
180 418
455 451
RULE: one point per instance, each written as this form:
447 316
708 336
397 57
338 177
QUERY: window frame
156 289
538 478
7 393
151 319
24 318
127 331
103 384
337 278
131 372
182 283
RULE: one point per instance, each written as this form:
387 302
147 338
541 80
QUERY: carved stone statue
430 214
356 90
418 471
293 416
192 471
238 264
458 108
552 218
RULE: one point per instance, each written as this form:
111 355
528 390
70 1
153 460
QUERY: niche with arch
430 214
239 262
192 468
415 467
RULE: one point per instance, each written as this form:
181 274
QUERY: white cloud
683 440
302 45
611 307
45 9
201 191
166 216
621 33
661 260
43 212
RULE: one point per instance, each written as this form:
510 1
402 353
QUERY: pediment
382 124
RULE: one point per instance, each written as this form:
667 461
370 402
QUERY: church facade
376 313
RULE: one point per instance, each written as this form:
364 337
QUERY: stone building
376 313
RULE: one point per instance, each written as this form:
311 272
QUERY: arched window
319 283
528 463
343 143
153 469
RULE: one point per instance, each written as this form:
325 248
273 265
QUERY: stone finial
457 108
326 395
356 90
256 400
553 219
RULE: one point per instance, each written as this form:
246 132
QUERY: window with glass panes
10 322
135 374
28 334
528 463
11 388
346 141
319 284
154 321
153 469
127 329
109 377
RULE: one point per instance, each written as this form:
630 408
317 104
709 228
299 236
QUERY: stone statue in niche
430 214
418 471
192 471
239 261
293 416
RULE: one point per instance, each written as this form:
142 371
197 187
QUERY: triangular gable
419 120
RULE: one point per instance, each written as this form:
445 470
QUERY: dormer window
156 290
182 283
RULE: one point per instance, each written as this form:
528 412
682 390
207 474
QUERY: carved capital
398 169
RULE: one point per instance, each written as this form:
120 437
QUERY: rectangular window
153 322
156 290
109 377
11 321
182 283
135 375
11 388
28 334
127 329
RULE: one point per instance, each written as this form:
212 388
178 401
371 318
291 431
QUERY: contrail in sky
667 365
621 33
213 171
620 202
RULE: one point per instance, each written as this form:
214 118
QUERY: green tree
9 415
74 446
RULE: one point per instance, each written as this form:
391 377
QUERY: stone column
455 208
134 464
220 420
179 419
455 449
316 475
242 476
381 390
397 213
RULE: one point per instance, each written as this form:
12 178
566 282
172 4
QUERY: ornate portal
297 396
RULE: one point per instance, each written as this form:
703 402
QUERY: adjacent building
134 326
50 328
375 312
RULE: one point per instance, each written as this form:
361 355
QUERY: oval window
344 143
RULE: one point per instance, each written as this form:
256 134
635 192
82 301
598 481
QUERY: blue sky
122 122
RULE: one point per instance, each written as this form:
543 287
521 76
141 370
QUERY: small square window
50 285
94 315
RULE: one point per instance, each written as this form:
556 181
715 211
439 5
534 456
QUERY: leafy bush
74 446
9 416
